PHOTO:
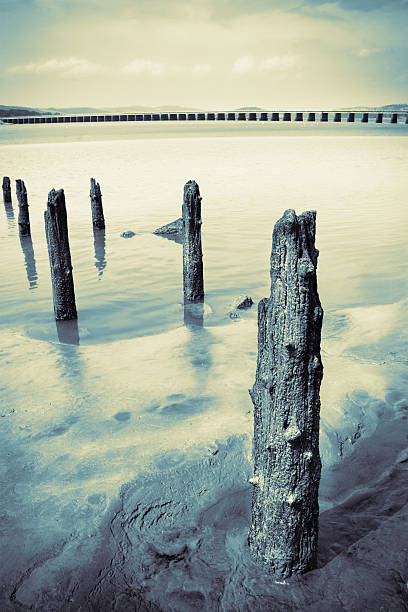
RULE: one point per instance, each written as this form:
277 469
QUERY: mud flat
176 539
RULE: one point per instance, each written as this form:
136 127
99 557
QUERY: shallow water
142 392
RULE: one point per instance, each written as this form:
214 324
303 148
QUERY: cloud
361 5
246 64
201 70
278 62
243 65
71 67
145 66
364 52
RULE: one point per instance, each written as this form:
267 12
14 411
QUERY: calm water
143 390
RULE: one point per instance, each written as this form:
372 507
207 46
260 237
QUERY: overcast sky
204 53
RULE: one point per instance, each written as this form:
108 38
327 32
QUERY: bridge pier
324 117
337 117
299 117
312 117
241 116
364 118
287 116
350 118
394 118
379 118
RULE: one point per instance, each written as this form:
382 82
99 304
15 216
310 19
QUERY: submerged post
98 219
6 190
193 282
56 229
23 214
285 510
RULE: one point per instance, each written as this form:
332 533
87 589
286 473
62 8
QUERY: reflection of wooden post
23 215
193 281
27 248
285 395
56 229
6 190
98 219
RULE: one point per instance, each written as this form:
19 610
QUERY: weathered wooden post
23 214
6 190
56 229
98 219
285 510
193 282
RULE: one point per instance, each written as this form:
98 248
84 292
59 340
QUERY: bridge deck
296 116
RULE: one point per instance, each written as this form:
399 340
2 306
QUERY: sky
204 54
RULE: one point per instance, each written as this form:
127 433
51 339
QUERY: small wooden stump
56 229
193 281
98 219
285 509
6 190
23 214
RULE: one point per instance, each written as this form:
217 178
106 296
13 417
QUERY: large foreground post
98 219
286 400
193 282
56 229
23 214
6 190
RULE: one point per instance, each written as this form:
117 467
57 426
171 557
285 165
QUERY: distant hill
249 108
18 111
390 108
85 110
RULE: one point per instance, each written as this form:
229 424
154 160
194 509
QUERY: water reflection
100 251
8 206
198 345
194 315
27 248
173 237
68 332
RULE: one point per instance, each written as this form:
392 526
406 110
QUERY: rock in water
244 302
23 215
175 227
56 229
193 281
285 510
128 234
98 219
